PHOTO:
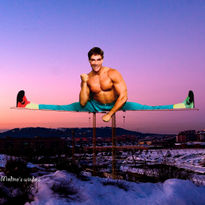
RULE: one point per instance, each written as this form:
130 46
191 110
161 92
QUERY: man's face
96 62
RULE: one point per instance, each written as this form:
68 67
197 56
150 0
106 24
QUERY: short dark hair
95 51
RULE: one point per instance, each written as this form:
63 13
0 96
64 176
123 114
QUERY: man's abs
105 97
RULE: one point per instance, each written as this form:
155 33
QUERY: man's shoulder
113 72
110 69
90 73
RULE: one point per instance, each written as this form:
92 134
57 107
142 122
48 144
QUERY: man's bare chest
100 83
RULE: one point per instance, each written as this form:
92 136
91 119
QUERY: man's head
95 56
95 51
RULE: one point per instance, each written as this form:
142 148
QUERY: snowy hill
63 188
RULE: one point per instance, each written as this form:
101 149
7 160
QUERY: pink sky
158 47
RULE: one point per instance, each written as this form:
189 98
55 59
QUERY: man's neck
99 72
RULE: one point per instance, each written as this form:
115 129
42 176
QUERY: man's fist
84 77
106 117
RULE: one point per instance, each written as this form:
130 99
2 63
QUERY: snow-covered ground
190 159
62 188
2 160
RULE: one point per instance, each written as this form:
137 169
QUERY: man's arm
85 91
121 89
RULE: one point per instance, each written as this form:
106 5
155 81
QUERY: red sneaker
21 100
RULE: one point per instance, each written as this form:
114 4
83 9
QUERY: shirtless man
103 89
103 84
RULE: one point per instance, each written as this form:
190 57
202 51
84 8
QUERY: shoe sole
191 98
19 98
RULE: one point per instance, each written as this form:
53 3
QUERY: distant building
184 136
145 142
36 145
201 135
180 138
149 142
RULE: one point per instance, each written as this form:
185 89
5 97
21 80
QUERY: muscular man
103 89
103 84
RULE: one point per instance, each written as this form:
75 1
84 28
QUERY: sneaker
21 100
189 102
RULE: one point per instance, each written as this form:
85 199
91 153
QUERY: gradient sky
158 46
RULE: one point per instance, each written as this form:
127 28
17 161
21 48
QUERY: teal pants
94 106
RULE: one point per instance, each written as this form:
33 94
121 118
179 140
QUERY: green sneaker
189 102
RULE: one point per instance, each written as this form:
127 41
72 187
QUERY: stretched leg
188 103
23 102
137 106
70 107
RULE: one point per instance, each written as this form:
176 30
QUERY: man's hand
106 117
84 77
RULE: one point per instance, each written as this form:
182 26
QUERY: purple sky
158 46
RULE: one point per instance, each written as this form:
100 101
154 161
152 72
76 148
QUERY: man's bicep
119 83
121 88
